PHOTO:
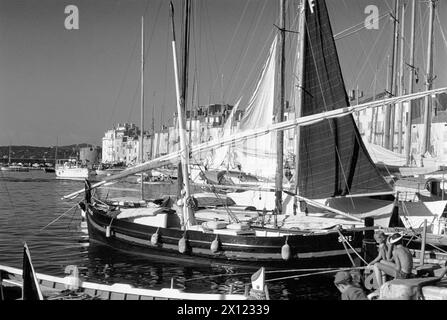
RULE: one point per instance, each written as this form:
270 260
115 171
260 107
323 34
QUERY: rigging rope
243 54
442 29
272 272
315 273
230 213
341 34
58 217
355 251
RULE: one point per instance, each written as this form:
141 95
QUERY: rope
58 217
344 239
341 35
314 273
243 55
434 246
442 29
267 272
231 214
346 249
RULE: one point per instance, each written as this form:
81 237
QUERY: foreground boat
28 285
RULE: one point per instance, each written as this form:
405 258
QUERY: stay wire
60 216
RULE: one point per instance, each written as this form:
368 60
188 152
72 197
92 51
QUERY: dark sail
31 289
333 159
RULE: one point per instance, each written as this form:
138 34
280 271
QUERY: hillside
31 153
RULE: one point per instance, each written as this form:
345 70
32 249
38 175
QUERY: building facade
121 144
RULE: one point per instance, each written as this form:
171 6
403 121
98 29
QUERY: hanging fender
183 244
108 231
155 238
215 245
285 251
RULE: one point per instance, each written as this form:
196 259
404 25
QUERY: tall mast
55 152
188 215
184 76
299 94
152 133
395 62
389 110
411 83
280 113
142 105
401 80
373 113
429 81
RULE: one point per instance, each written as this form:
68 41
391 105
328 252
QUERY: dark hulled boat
256 245
333 162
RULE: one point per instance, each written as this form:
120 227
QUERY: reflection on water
31 210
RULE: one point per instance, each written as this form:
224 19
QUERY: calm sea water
31 210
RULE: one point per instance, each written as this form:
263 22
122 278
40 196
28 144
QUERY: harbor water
31 211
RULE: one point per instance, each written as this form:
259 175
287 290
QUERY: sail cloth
333 159
256 155
222 157
31 289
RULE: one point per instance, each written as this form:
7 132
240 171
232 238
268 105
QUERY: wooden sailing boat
332 167
38 286
164 232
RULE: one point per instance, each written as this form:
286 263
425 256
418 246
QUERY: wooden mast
184 77
299 95
280 114
401 80
429 82
188 216
411 84
389 119
395 63
142 106
55 152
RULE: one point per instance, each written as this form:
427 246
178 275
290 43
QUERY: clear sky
72 85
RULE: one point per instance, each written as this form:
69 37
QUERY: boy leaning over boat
349 290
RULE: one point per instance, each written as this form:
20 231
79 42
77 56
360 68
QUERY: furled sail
333 159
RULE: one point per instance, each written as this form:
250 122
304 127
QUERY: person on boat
381 239
349 290
399 262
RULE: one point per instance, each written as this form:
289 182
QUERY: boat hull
15 169
307 250
74 173
53 287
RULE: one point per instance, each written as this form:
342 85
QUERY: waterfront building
205 123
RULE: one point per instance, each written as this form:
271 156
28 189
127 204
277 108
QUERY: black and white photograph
223 154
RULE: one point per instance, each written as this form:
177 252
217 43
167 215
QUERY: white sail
255 156
222 157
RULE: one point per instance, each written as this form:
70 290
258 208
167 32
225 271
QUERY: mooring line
58 217
271 271
314 273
